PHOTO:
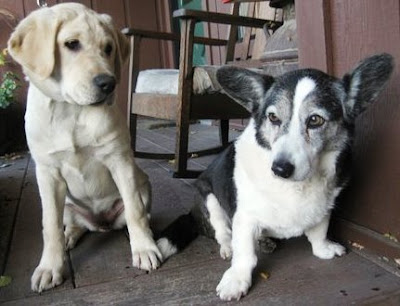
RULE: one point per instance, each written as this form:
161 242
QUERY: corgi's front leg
236 281
321 246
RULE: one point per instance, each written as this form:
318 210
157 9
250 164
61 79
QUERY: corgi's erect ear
244 86
33 42
365 83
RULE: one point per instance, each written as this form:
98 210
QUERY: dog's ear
123 48
33 42
244 86
365 83
122 45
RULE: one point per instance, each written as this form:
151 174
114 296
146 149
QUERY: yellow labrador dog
85 168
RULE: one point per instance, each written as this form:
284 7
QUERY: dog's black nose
282 168
105 82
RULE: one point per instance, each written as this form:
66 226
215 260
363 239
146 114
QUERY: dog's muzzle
282 168
106 85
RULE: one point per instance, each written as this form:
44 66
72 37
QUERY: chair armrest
171 37
151 34
226 19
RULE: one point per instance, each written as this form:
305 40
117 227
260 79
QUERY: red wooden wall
333 36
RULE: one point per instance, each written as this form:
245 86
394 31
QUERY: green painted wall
199 56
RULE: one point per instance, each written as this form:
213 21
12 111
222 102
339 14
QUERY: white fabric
163 81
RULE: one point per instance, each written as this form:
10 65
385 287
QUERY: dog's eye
108 49
315 121
274 119
73 44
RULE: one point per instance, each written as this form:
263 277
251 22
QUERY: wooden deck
99 269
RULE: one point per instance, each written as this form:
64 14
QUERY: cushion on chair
165 81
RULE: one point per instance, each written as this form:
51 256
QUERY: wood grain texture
26 246
334 36
99 260
11 183
360 29
313 26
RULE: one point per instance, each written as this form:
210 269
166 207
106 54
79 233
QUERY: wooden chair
186 106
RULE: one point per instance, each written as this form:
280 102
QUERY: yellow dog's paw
146 255
46 278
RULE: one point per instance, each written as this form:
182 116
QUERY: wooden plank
221 18
170 197
172 37
11 182
312 281
102 257
372 202
143 18
164 105
184 94
26 245
313 25
200 137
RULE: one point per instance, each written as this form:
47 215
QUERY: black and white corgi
284 172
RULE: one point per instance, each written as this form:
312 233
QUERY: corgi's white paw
233 286
328 249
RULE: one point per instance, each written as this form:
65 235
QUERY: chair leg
224 132
181 150
132 129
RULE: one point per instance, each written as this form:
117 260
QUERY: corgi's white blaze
303 88
292 145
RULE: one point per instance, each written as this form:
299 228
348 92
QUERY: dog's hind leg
222 225
265 244
73 233
75 224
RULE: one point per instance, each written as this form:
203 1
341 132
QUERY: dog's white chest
285 208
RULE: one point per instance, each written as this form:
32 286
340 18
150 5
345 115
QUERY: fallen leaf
171 161
5 165
390 236
397 261
12 156
264 275
5 280
357 246
194 155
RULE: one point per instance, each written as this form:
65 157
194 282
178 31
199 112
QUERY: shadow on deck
99 269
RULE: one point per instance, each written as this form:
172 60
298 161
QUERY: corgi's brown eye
108 49
315 121
73 44
274 119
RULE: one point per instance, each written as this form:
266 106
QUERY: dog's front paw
146 255
328 249
45 278
233 285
